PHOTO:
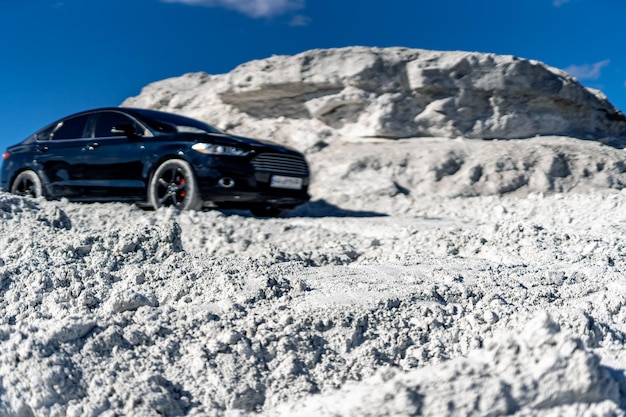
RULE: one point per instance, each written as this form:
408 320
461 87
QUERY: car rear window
73 128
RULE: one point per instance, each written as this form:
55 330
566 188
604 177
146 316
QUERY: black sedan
147 156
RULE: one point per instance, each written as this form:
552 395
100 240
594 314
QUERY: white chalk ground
364 302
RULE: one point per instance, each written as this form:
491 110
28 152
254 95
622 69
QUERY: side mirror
125 130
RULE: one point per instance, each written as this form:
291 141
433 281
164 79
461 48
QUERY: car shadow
313 209
322 208
614 142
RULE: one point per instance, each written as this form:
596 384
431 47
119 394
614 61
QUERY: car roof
144 115
128 110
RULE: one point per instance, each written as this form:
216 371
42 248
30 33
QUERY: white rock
403 92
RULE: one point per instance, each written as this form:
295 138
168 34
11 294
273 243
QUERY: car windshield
172 123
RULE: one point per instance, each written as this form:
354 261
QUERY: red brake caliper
182 192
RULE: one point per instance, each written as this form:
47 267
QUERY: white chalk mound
348 109
391 93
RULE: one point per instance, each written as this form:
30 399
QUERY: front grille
276 163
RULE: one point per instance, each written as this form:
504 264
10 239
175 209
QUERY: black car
163 159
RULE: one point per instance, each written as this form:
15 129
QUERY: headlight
212 149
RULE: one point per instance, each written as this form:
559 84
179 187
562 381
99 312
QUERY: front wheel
27 184
174 184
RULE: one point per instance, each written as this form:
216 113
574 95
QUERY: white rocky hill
400 122
391 93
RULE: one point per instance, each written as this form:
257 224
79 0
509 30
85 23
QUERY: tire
266 211
27 184
173 184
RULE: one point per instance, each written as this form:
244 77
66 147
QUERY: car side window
46 134
109 120
73 128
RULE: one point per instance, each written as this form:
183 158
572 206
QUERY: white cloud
559 3
252 8
300 20
588 71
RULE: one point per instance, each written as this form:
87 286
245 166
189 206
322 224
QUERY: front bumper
235 198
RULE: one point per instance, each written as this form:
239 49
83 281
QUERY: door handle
93 146
42 148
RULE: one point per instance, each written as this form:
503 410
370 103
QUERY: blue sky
64 56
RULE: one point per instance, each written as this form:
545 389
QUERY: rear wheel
174 184
27 184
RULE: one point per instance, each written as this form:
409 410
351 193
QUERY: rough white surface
395 93
428 276
392 174
466 306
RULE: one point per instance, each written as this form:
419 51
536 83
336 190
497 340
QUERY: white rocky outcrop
376 123
390 93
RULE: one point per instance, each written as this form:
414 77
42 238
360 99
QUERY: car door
85 158
59 155
114 157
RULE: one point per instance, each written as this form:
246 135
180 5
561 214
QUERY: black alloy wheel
174 185
27 184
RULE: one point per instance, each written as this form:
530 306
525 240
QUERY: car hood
249 142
